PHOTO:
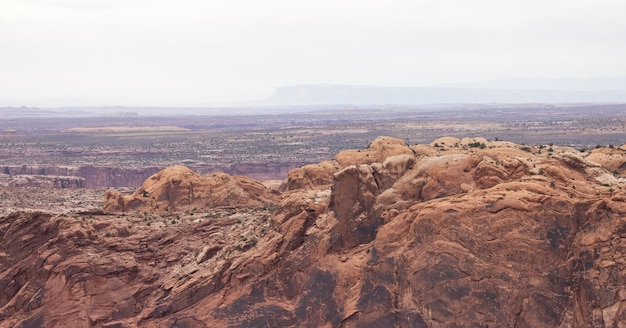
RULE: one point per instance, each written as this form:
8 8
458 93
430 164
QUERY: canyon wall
42 181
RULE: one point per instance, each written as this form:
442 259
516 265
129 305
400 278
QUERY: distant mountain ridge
569 84
308 97
502 90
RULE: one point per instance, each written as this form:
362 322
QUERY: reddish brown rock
310 176
612 159
465 233
380 149
178 188
321 175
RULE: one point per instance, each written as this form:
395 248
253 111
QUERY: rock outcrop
461 232
178 187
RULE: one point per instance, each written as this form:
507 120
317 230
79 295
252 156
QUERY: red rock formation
456 233
178 187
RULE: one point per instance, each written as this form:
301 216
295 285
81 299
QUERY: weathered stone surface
310 176
178 187
459 233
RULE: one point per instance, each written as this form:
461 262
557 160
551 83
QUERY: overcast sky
199 52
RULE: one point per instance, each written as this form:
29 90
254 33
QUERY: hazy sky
198 52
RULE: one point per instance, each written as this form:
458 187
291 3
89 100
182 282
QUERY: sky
203 52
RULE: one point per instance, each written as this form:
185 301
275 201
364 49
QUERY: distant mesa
504 90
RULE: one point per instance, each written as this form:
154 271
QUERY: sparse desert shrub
269 207
477 144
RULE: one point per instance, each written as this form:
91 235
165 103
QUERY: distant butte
458 232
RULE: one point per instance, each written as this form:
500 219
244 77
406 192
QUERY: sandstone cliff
461 232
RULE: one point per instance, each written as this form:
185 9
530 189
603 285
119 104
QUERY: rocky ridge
460 232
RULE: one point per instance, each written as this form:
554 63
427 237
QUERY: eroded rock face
462 232
310 176
178 187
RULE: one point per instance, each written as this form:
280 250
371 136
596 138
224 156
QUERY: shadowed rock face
457 233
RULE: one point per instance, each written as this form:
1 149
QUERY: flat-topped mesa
178 187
